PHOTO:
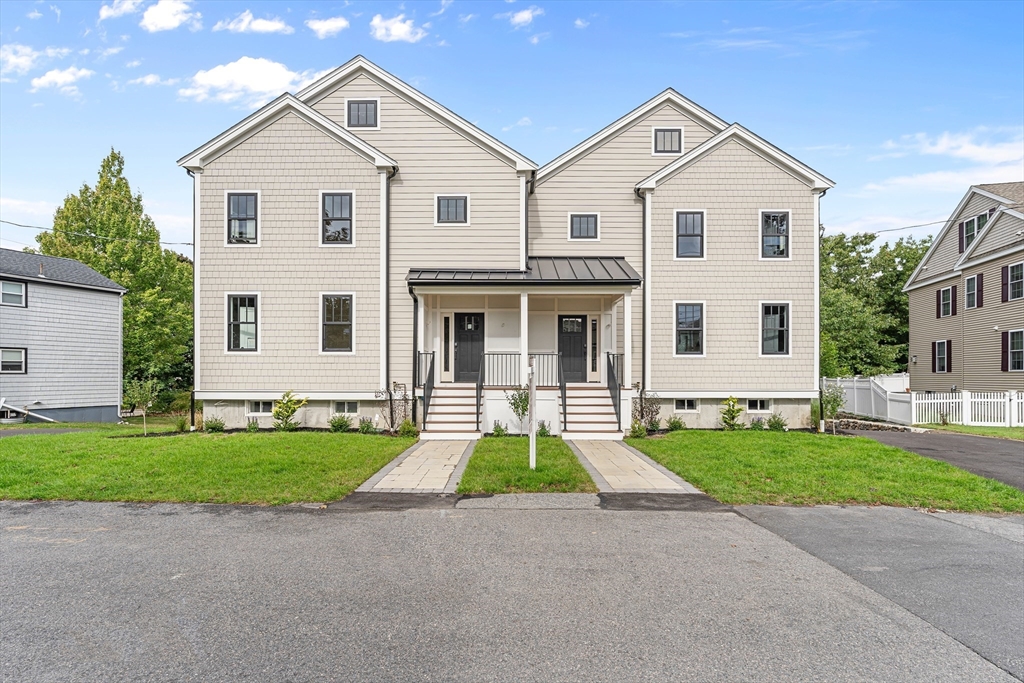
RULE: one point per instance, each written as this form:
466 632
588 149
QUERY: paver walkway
427 467
615 467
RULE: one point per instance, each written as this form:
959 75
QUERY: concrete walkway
617 468
426 467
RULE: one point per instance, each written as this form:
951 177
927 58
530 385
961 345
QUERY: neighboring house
60 339
967 297
359 234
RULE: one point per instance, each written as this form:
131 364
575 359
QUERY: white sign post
532 384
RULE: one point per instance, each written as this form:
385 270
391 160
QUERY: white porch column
627 338
421 314
524 337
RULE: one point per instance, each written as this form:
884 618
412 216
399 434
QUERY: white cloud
975 145
466 18
55 10
950 181
537 37
119 8
395 29
523 17
581 23
249 81
525 121
64 80
325 28
152 79
134 63
445 4
20 59
34 14
10 206
167 15
111 51
245 23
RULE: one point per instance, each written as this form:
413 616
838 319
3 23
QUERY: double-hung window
362 114
452 209
689 329
12 293
774 329
583 226
242 218
13 361
242 322
774 234
668 140
942 356
337 323
689 234
1016 282
336 223
946 302
1015 361
971 292
971 230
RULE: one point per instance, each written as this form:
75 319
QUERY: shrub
285 409
214 424
674 424
637 430
777 423
392 407
408 429
366 426
757 424
181 424
141 394
832 399
731 414
647 408
815 413
253 426
543 429
654 424
499 429
519 402
340 423
199 421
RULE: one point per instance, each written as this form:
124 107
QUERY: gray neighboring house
60 339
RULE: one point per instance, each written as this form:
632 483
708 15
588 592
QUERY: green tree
140 395
892 265
854 326
106 228
845 264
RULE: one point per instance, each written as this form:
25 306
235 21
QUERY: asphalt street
94 591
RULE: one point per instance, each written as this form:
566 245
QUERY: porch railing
480 389
617 361
561 387
500 370
545 369
423 364
614 384
428 385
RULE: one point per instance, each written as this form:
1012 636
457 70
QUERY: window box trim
682 141
696 403
704 329
1009 350
259 323
436 210
967 291
760 328
320 218
362 99
945 357
767 410
568 226
24 293
760 236
320 328
24 360
248 407
259 219
942 313
1009 282
704 235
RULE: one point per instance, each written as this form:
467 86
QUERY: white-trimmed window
13 293
337 211
346 407
775 329
689 328
336 321
759 405
362 113
942 356
243 323
13 361
775 234
1016 281
261 408
667 141
690 234
451 208
946 302
972 227
1015 351
243 216
686 405
971 292
583 226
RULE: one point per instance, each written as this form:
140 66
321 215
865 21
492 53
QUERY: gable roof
668 96
267 115
990 227
53 269
984 190
762 147
1011 192
359 64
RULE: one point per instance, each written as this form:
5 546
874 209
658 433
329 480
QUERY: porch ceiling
541 270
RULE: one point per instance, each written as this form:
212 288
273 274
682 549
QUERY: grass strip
1014 433
502 465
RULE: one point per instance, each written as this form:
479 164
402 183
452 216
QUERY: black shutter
991 211
934 344
949 355
938 303
960 228
1006 284
952 301
979 289
1005 355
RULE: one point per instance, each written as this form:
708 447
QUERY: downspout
526 209
387 277
192 398
821 393
643 300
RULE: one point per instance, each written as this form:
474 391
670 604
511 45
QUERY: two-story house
359 234
967 297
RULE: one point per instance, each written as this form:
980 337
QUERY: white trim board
703 233
259 219
760 328
469 202
584 240
259 323
989 228
704 329
320 329
760 236
362 99
682 141
275 394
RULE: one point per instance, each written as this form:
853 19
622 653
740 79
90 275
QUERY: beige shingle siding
732 184
433 159
982 360
290 162
947 251
925 328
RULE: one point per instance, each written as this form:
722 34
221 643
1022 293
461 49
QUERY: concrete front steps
590 413
452 413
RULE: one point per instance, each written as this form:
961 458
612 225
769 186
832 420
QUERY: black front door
469 346
572 344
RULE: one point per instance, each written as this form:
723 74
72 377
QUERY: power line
97 237
906 227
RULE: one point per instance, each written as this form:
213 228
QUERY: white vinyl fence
868 397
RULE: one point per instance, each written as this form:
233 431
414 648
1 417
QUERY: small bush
366 426
543 429
731 414
253 426
340 423
408 429
758 424
674 424
285 409
832 399
181 424
499 429
815 413
637 430
214 424
777 423
199 422
519 402
654 424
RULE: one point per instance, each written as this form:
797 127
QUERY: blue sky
904 105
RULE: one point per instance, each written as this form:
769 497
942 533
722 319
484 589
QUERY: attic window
362 114
668 140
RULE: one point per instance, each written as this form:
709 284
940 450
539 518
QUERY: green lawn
265 468
502 465
1015 433
800 468
155 423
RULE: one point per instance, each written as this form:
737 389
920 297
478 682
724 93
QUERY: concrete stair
452 413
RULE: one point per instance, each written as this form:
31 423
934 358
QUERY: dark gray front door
469 346
572 344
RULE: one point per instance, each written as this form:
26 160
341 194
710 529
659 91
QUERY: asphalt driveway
999 459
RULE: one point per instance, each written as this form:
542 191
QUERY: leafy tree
141 394
855 326
846 263
106 228
892 265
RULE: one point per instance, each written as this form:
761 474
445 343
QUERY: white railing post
965 410
913 408
1011 409
855 396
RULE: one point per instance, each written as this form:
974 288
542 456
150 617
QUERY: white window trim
1009 282
259 219
767 410
334 404
760 329
248 407
320 327
259 323
977 231
675 235
682 141
320 219
950 314
568 226
704 330
362 99
1009 350
966 292
24 294
438 224
945 356
24 361
760 236
696 403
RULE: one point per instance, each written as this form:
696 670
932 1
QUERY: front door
572 344
469 346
